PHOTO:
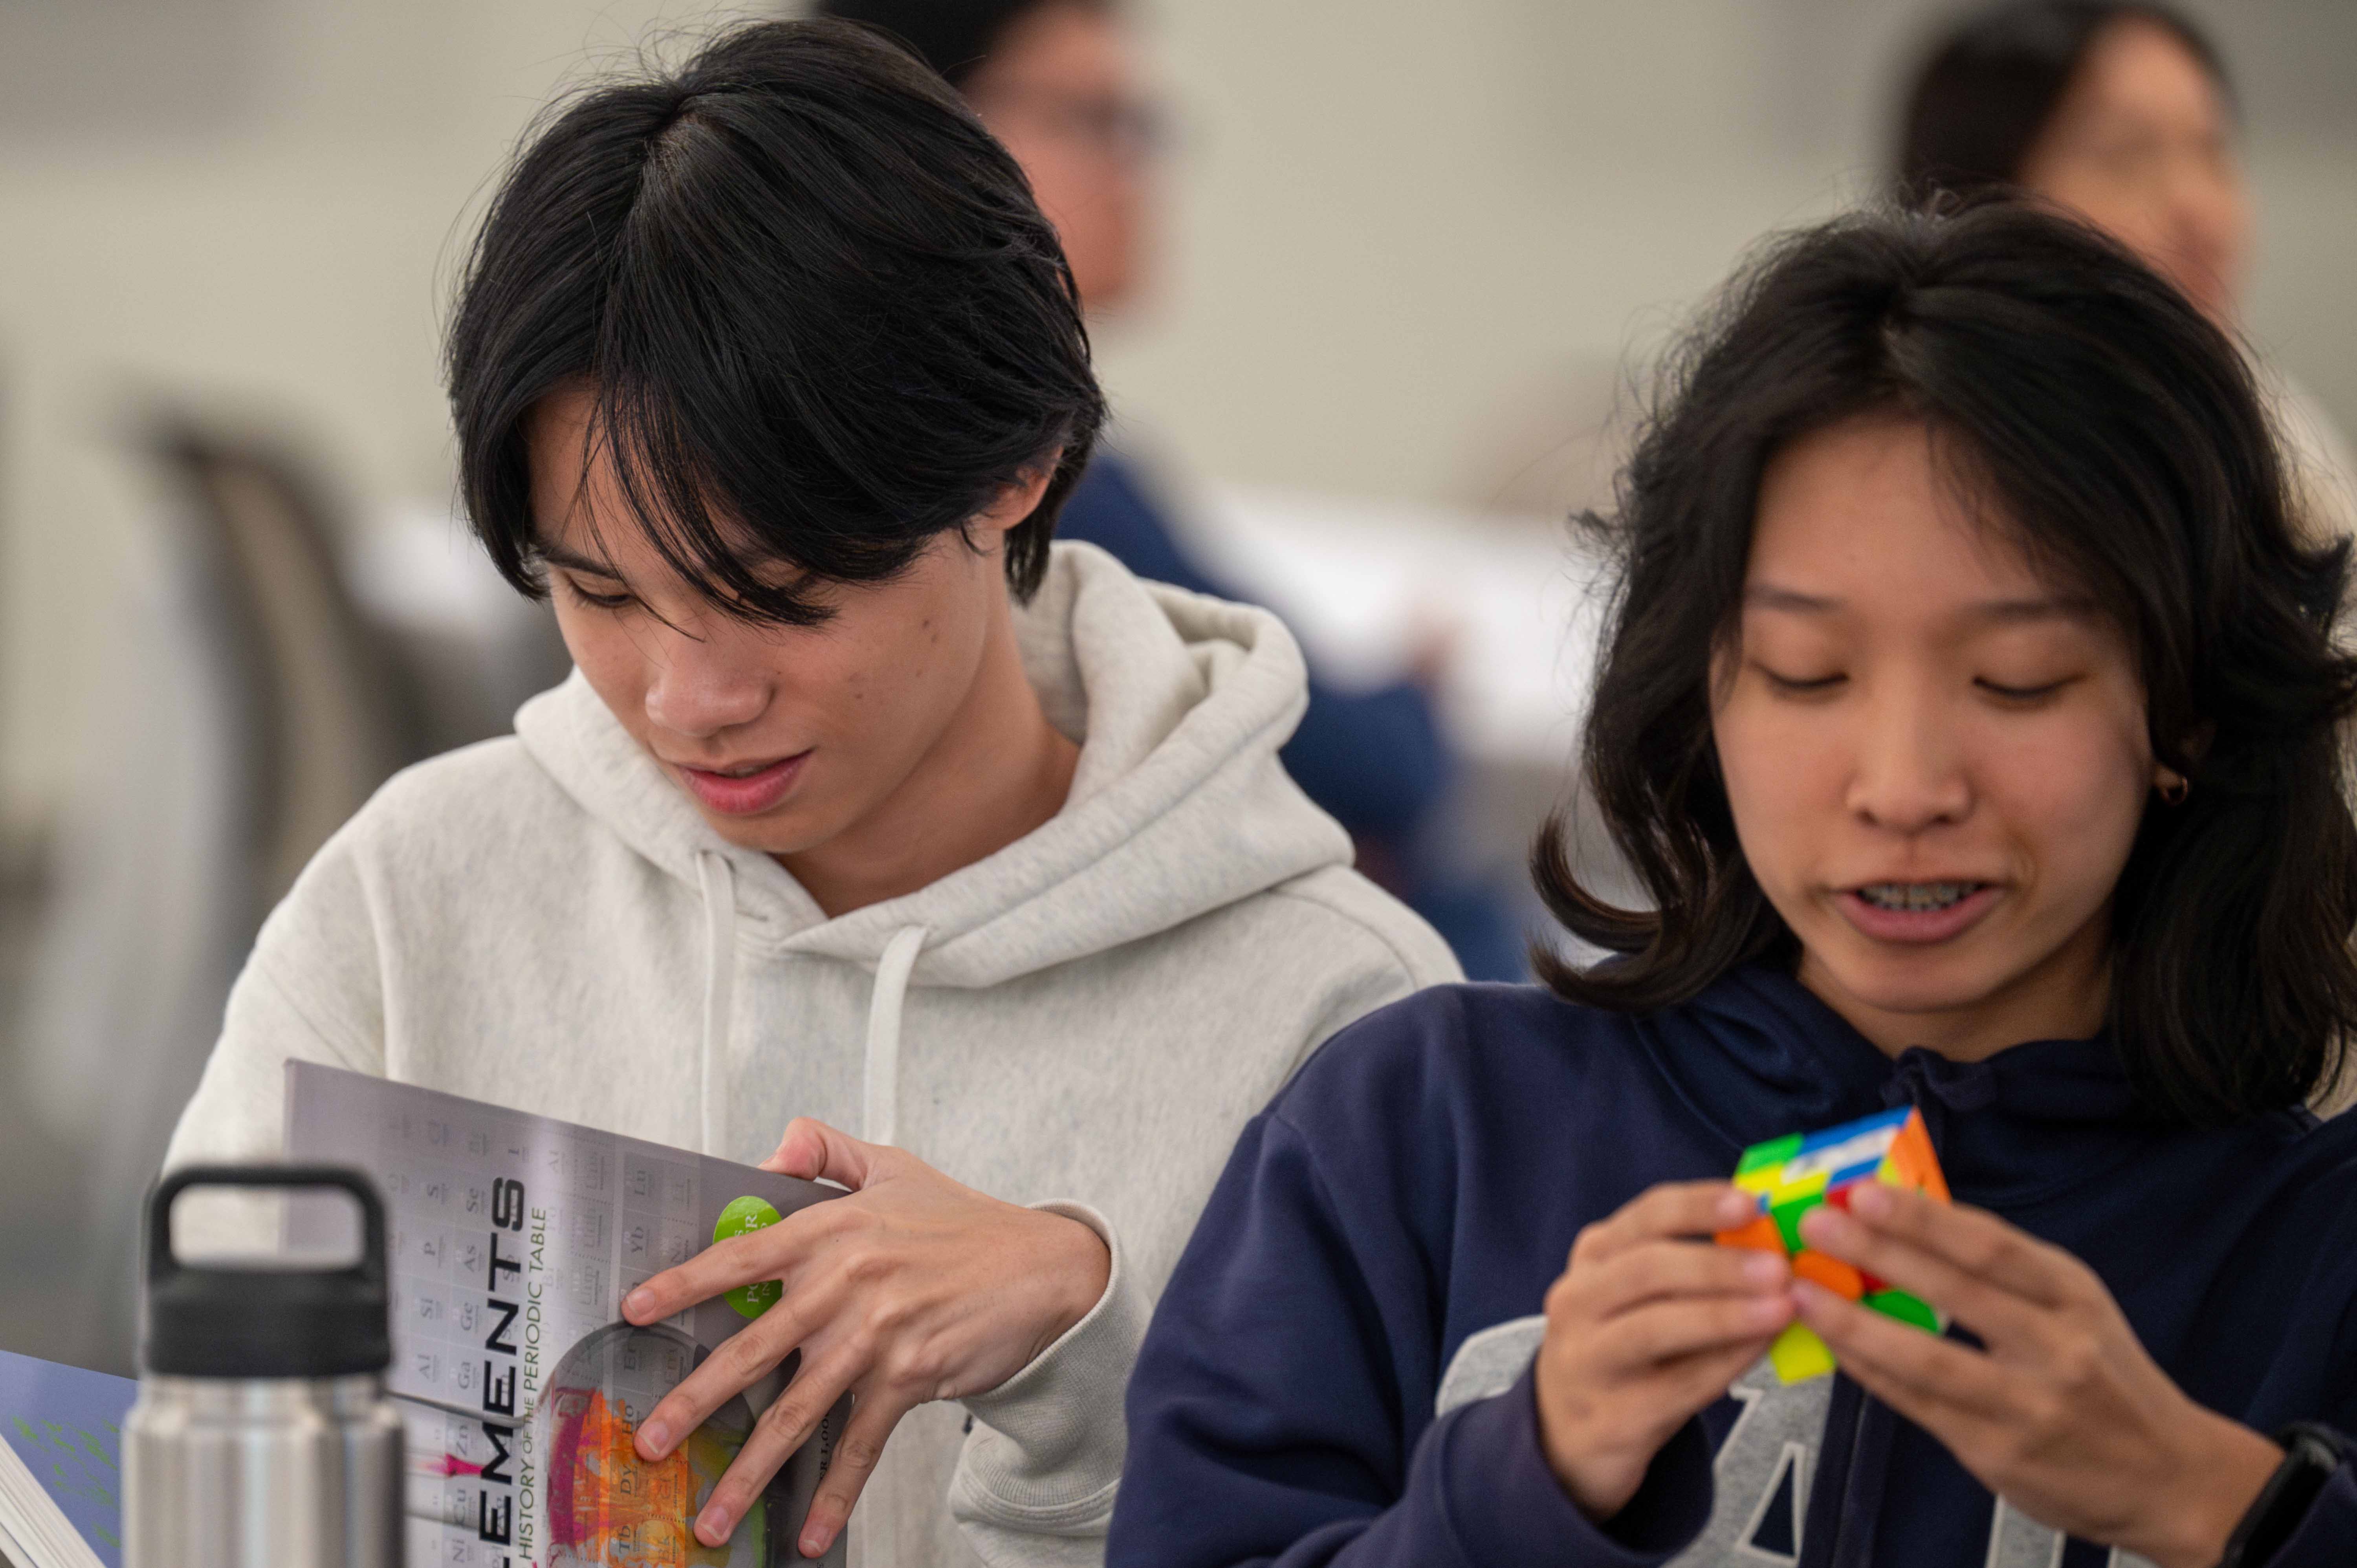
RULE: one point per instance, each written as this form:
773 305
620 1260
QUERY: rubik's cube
1792 1175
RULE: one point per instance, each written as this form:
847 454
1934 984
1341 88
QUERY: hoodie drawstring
719 880
1936 1086
880 1100
874 1530
880 1103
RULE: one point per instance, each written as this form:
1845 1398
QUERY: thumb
812 1151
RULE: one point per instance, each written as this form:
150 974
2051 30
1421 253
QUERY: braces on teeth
1917 896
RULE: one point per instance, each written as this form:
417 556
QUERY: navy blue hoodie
1339 1370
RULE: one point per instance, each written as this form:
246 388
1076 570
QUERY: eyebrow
571 560
1998 612
574 561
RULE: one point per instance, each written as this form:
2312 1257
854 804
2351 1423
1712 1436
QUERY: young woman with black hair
1971 715
2121 111
865 808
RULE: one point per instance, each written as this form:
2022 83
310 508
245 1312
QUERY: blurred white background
1412 244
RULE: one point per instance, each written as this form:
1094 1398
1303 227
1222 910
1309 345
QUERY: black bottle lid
204 1322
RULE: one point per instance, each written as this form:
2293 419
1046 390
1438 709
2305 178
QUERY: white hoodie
1085 1018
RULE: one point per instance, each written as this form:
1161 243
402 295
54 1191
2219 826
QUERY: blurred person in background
2123 113
1059 83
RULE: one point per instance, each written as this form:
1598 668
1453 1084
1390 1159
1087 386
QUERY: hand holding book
513 1239
913 1288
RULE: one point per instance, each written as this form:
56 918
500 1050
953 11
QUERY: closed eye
597 601
1801 684
2023 693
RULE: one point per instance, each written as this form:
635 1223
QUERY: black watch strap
2312 1453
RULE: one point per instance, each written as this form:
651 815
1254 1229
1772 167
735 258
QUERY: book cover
513 1239
61 1471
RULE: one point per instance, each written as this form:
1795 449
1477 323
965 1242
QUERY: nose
707 677
1910 774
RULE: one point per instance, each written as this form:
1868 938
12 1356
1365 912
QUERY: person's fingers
772 1252
1967 1430
1999 1314
856 1454
740 1361
1975 1241
812 1151
1695 1380
785 1426
1668 1330
1672 1209
1653 1270
1932 1370
1964 1432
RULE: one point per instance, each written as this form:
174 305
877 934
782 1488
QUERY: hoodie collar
1758 1056
1179 805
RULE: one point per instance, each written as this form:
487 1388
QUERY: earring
2173 790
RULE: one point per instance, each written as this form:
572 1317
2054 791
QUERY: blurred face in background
1062 90
2142 146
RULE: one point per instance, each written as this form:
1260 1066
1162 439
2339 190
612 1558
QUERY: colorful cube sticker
1792 1175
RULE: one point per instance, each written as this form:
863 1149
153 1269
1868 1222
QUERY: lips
1916 912
743 789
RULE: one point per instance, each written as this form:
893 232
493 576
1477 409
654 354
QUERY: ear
1017 500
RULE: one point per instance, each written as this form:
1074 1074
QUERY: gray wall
1418 240
1411 242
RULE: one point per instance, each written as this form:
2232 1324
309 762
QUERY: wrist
1599 1491
2219 1477
1600 1484
1077 1267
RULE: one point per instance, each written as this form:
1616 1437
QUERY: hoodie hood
1178 805
1758 1054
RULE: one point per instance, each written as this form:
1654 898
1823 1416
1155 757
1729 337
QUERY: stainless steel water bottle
262 1437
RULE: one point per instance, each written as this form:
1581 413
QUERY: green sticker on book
742 1218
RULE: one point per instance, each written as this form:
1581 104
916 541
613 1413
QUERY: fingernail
1764 1269
816 1539
1767 1311
712 1524
655 1435
1871 1199
1823 1222
1735 1208
639 1303
1808 1292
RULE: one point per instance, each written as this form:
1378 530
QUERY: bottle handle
163 1263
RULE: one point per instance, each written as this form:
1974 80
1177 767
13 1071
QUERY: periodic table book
513 1239
61 1464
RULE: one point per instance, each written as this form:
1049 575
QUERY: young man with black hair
864 810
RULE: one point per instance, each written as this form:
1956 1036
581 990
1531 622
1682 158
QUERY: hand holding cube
1792 1174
